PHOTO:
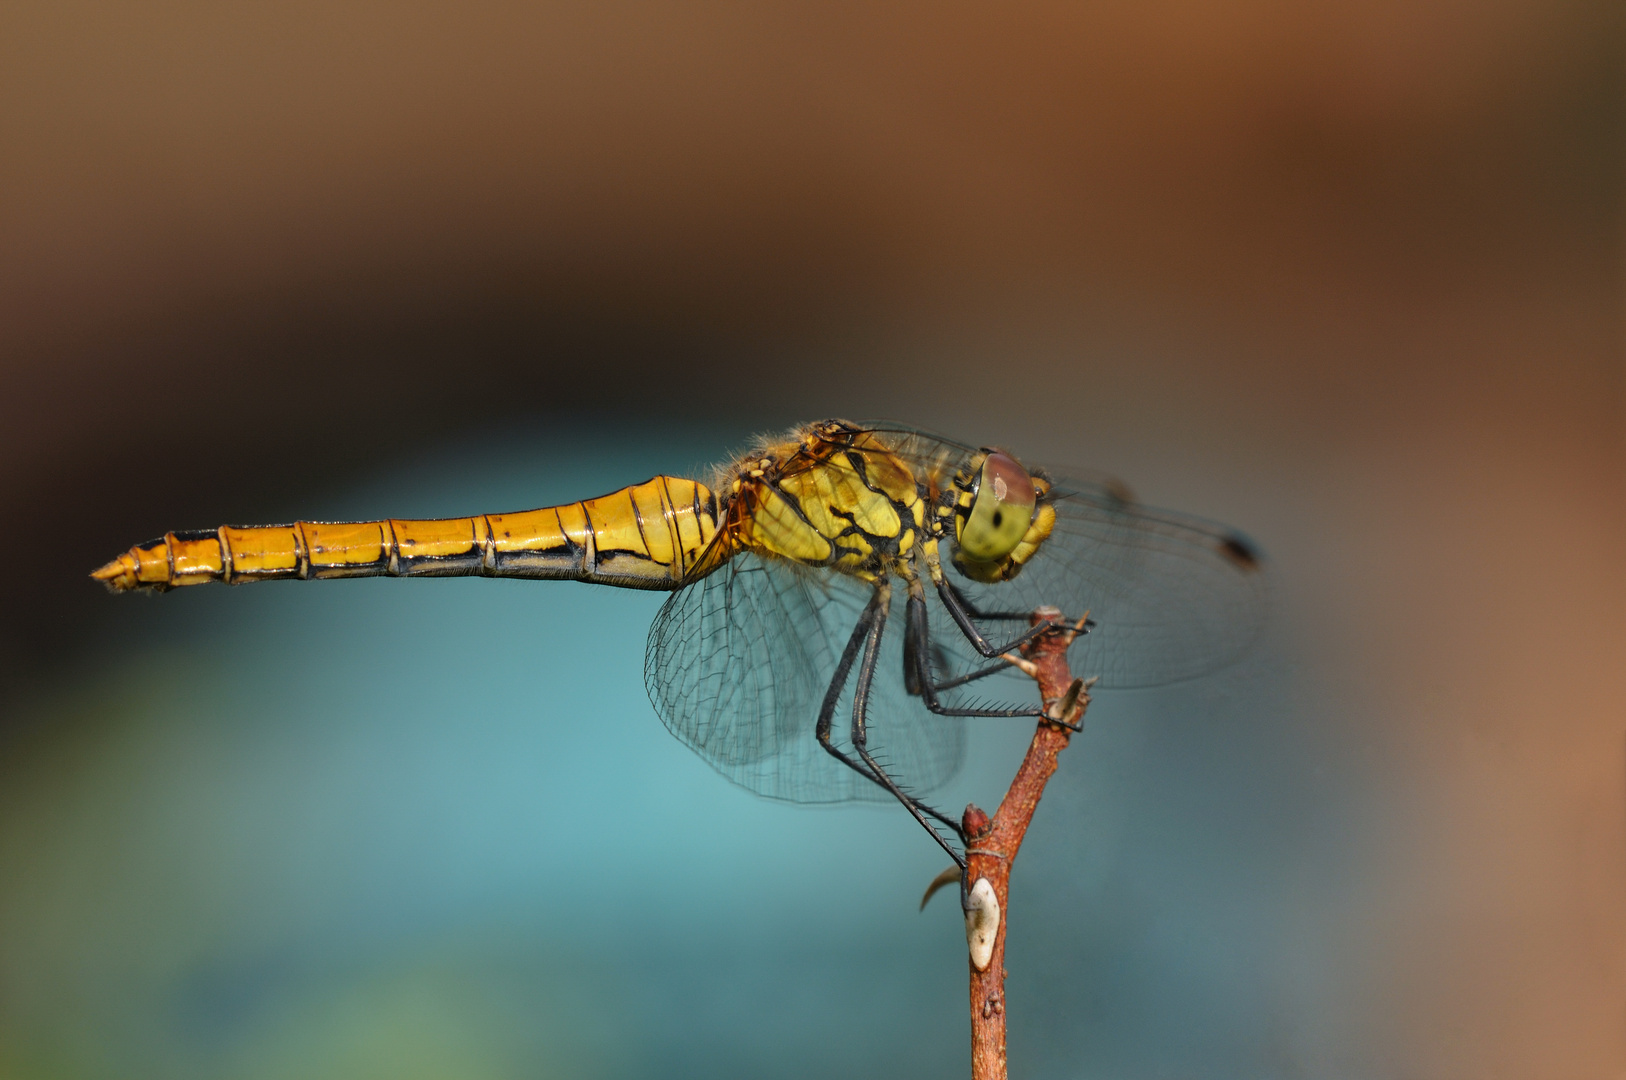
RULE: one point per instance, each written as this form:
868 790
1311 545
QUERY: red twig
992 844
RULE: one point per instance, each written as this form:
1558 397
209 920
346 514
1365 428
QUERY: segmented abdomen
648 536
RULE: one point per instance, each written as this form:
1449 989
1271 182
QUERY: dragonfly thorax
835 498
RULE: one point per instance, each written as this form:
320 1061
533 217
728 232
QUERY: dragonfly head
1002 514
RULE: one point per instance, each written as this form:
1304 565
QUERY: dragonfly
788 571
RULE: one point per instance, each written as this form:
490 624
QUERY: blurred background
1349 276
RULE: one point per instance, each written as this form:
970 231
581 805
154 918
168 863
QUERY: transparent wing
1172 597
737 667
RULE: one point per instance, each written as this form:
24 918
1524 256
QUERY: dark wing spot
1240 552
1119 490
999 519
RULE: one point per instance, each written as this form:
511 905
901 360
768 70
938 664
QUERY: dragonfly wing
1173 597
738 665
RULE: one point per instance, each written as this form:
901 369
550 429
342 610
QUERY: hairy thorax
835 498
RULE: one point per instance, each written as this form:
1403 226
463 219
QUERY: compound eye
1000 513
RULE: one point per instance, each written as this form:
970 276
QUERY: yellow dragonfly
786 572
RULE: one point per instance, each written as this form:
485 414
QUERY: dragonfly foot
1066 710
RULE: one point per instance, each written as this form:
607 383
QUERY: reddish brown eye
1001 512
1011 483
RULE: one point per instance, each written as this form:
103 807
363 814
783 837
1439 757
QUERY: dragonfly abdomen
648 536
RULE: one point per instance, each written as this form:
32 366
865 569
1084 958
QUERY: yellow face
1001 517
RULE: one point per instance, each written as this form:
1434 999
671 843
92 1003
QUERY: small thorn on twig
947 877
1028 667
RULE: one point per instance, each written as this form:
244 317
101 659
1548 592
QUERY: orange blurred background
1349 275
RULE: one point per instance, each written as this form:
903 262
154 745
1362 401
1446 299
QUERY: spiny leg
874 612
999 616
917 670
827 710
860 730
921 679
970 676
961 611
919 634
970 607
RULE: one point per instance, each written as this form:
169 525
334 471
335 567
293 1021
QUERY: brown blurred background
1349 275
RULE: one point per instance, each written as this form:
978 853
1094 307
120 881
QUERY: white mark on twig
981 923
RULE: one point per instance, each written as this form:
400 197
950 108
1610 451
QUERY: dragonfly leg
999 616
919 631
986 616
963 614
860 729
971 676
874 612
